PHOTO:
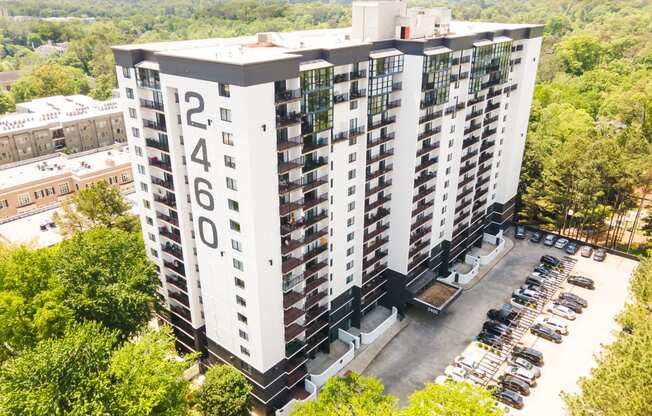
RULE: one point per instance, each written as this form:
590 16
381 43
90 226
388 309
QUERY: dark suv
546 332
519 234
530 354
510 382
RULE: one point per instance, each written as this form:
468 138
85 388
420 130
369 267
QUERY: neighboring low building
8 78
31 186
50 48
47 125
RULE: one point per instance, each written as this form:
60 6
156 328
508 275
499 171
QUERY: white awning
315 64
484 42
436 51
500 39
384 53
147 65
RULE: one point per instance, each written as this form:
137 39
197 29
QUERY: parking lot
428 344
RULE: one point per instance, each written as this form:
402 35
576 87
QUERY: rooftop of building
78 164
49 111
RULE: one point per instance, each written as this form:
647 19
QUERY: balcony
374 245
291 348
463 204
470 141
291 315
423 193
375 259
173 250
288 245
153 105
425 164
285 186
175 266
367 275
484 169
427 148
378 172
429 133
468 156
464 193
288 143
381 123
290 263
357 93
489 120
475 100
479 203
372 219
314 144
338 78
312 236
161 164
487 144
287 96
397 86
284 166
312 183
314 268
362 73
163 183
380 140
482 182
419 234
356 131
314 328
481 192
381 185
423 178
309 220
157 145
492 107
340 98
380 156
315 312
422 206
314 284
486 156
291 298
287 120
430 117
378 231
495 93
314 299
167 219
177 282
420 221
314 163
287 207
154 125
380 201
179 297
183 312
488 132
393 104
466 168
472 127
314 201
170 234
417 261
293 331
154 84
168 200
418 248
474 114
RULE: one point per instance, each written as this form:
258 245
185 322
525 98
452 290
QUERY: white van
557 324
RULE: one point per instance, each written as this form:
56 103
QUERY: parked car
470 366
508 397
522 362
497 328
550 260
582 281
574 298
562 311
490 339
523 300
586 251
541 290
535 357
526 375
515 384
561 243
545 332
556 324
456 373
542 270
600 254
536 237
549 240
519 233
507 317
571 248
575 307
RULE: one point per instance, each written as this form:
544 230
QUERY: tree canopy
225 392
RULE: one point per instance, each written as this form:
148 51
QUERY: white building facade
289 183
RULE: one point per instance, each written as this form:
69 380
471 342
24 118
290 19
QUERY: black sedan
503 316
573 306
490 339
546 332
519 234
582 281
496 328
510 382
575 298
533 356
536 237
509 397
550 260
571 248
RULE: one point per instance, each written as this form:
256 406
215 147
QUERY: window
349 279
351 190
349 251
442 222
350 221
136 133
239 283
153 252
146 204
234 205
236 245
448 170
351 206
240 300
227 138
141 169
352 157
243 335
225 90
231 184
126 72
229 162
64 188
353 104
244 351
143 187
23 199
350 236
152 237
446 183
235 226
225 114
352 174
149 221
349 265
132 112
242 318
453 128
130 93
238 264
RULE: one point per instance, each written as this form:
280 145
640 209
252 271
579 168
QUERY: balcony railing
426 148
429 133
423 178
168 200
380 156
466 168
154 125
340 98
161 164
379 255
175 266
420 233
286 120
287 96
357 93
470 141
157 145
337 78
423 193
149 83
377 203
382 185
420 221
358 74
381 123
381 228
314 163
383 138
422 206
393 104
425 164
314 144
374 245
174 236
165 184
474 114
167 218
430 117
372 219
397 86
378 172
468 156
154 105
173 250
288 143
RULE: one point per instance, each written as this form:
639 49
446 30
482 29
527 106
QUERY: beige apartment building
59 124
35 185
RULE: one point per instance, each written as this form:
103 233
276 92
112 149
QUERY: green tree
7 103
353 395
147 377
60 376
50 79
225 392
107 277
104 85
579 53
99 204
451 399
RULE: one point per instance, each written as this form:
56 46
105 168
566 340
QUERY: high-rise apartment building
291 182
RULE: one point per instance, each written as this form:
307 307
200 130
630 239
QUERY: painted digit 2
202 186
